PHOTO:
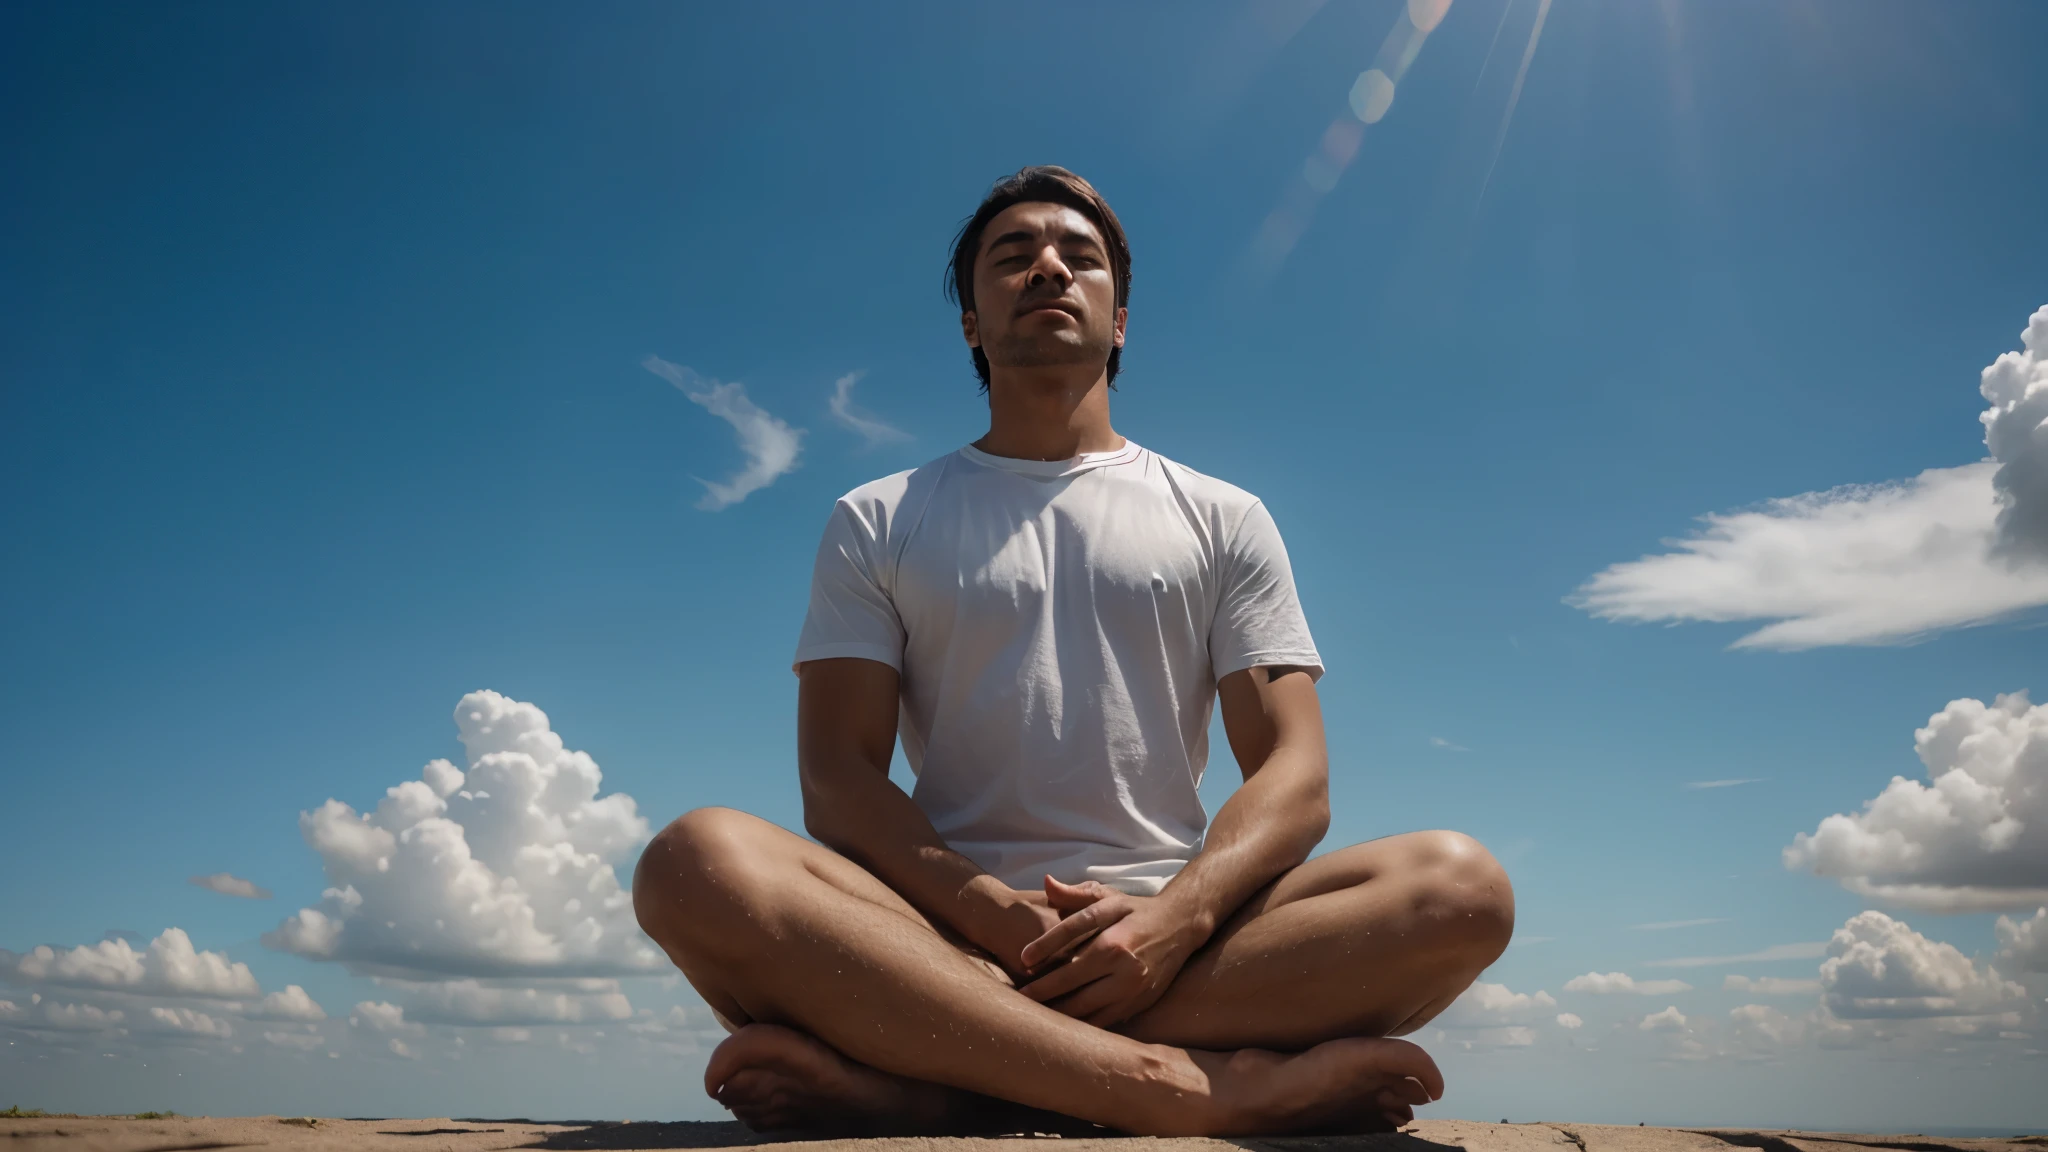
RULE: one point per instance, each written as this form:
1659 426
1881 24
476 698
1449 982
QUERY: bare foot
1356 1084
777 1079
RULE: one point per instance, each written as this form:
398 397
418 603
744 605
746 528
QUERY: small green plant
155 1115
17 1112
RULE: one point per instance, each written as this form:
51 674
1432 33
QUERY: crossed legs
856 1009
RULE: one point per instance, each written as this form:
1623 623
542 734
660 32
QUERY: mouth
1048 306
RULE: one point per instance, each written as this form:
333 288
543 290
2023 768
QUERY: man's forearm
1268 826
858 812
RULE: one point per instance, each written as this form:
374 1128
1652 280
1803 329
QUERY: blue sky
322 347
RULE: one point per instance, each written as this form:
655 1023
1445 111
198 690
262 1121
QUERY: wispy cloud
772 446
1775 952
1446 745
871 429
1622 984
1724 783
230 885
1870 563
1667 925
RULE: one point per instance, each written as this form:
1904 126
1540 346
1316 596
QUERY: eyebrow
1020 236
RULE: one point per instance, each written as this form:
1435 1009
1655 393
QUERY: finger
1073 931
1105 1002
1074 897
1083 969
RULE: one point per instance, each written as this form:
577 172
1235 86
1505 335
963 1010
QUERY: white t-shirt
1059 628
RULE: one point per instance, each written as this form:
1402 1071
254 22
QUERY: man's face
1043 290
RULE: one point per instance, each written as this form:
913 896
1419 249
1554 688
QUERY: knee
1465 892
704 863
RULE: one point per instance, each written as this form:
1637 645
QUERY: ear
970 327
1122 315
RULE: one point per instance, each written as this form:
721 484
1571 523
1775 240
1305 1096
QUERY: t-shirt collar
1054 469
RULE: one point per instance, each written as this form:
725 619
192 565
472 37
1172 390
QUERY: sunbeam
1515 94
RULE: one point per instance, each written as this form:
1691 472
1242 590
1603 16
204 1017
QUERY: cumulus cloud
473 1002
871 429
187 1022
1770 986
40 1015
1621 983
1973 839
291 1004
230 885
771 446
1570 1021
169 966
1871 563
1762 1026
382 1017
1494 1016
2023 944
1669 1020
501 869
1879 968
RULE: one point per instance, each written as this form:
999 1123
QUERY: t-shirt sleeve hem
847 650
1307 658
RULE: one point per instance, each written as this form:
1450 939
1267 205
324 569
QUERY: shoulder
877 504
1217 501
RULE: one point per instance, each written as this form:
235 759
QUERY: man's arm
1275 726
846 734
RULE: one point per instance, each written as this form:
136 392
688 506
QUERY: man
1050 920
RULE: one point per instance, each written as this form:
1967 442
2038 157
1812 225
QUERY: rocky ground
293 1134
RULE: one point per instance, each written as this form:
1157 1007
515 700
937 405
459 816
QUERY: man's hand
1019 919
1122 952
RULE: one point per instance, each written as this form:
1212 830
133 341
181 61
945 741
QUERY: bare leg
1370 940
772 929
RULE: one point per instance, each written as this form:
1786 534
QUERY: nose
1049 267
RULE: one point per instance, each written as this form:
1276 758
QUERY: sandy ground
196 1134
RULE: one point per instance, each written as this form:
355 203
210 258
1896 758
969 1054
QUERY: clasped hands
1104 956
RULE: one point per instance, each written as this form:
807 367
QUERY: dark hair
1040 183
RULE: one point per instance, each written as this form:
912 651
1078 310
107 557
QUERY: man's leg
1370 940
776 931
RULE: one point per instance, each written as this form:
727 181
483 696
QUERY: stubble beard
1016 350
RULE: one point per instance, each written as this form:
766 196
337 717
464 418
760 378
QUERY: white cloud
1879 968
1570 1021
1762 1026
402 1049
380 1016
1770 986
1621 983
771 446
291 1004
1871 563
2023 944
476 1003
42 1015
872 430
2016 431
1768 955
302 1041
1976 839
1669 1020
187 1022
505 869
1487 1005
229 885
170 966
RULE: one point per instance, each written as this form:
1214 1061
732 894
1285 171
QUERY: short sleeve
850 614
1259 621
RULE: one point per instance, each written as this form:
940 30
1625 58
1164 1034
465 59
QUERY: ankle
1178 1096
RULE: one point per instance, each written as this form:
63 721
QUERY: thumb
1072 897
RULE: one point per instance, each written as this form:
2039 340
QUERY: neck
1048 413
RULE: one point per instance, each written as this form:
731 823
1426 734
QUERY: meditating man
1047 617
